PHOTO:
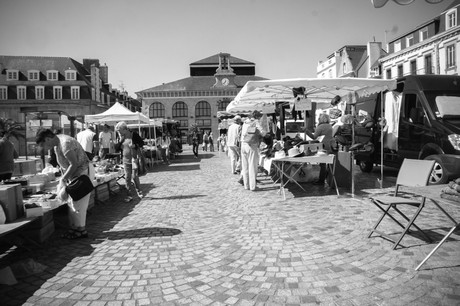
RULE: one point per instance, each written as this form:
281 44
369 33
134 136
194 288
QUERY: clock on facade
225 81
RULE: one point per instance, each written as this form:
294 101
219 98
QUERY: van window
412 109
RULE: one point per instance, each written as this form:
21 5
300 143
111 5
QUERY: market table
433 192
280 165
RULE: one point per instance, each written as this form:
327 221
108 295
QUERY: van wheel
438 175
366 166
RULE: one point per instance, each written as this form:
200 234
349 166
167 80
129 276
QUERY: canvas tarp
118 112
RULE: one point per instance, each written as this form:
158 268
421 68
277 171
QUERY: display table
433 192
284 164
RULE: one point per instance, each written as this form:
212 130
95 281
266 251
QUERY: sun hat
237 119
294 151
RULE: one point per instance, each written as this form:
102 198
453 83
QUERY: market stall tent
259 95
118 112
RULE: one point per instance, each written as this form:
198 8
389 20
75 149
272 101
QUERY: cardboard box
9 200
42 221
34 212
40 234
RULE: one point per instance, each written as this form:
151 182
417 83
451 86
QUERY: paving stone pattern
199 238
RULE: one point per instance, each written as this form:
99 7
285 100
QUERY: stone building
212 84
55 92
430 48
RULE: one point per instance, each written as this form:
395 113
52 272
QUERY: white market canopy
262 95
118 112
152 123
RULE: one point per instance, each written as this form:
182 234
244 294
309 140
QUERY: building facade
360 61
54 92
212 84
431 48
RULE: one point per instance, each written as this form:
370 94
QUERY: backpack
253 135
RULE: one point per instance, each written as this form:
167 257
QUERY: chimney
374 51
88 62
104 73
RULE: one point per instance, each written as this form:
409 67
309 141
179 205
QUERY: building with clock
212 84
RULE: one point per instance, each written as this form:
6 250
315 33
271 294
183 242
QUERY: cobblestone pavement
199 238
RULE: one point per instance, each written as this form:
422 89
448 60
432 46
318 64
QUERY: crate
11 201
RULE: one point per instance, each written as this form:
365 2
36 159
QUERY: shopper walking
129 143
211 142
251 137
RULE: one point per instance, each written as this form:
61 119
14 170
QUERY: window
428 64
3 93
203 122
179 109
75 93
409 40
34 75
400 70
203 109
39 92
388 72
52 75
157 110
413 67
21 92
222 105
450 56
183 123
70 75
12 75
57 92
397 45
423 34
451 19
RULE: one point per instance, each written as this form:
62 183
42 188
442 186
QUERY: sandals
75 234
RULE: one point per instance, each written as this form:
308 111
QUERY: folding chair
412 173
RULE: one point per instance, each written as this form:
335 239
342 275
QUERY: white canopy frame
260 95
118 112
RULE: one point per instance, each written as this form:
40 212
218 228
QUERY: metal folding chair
412 173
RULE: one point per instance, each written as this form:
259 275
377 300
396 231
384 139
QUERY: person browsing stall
73 161
86 139
105 140
323 131
233 143
7 155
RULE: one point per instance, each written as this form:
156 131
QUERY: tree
9 127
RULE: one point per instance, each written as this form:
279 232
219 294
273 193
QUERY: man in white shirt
86 140
105 140
233 143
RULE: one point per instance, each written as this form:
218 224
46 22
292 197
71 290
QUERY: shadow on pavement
138 233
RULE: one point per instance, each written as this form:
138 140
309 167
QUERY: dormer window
12 75
70 75
52 75
410 40
423 34
451 19
397 45
33 75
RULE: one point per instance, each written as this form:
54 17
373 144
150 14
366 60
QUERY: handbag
79 187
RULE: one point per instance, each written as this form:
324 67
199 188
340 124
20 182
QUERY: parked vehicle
428 126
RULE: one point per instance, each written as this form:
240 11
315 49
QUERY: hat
237 119
280 154
294 151
256 114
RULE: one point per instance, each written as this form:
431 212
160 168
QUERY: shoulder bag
79 187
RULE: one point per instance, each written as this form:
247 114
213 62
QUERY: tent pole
381 141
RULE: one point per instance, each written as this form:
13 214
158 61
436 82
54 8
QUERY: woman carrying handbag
74 163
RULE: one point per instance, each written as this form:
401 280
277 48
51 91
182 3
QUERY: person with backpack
130 144
251 136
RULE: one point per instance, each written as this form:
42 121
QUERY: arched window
222 105
203 109
157 110
179 109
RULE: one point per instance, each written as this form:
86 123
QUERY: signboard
303 104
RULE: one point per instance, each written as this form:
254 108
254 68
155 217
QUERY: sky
146 43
